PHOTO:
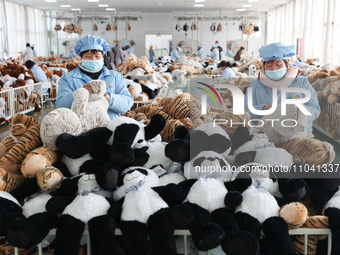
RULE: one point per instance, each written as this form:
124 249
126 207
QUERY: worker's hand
88 87
267 107
107 96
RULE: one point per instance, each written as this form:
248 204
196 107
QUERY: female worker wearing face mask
278 74
91 50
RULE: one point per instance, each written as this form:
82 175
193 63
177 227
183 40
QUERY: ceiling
138 6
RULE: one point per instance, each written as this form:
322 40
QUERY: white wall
165 24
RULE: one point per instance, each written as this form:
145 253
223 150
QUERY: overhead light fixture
246 5
253 1
240 10
50 1
110 9
93 1
103 5
198 5
75 9
199 1
65 5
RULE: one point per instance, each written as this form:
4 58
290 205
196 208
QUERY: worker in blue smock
229 53
151 53
38 73
91 50
227 72
278 74
174 54
200 51
214 53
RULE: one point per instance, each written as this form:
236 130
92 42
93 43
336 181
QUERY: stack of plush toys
78 169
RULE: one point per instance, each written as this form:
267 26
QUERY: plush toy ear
157 124
181 132
136 80
128 77
240 137
178 150
151 94
245 157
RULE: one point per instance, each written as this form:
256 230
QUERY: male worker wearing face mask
91 50
278 74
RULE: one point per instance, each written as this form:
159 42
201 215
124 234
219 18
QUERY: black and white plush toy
82 202
145 211
211 195
25 226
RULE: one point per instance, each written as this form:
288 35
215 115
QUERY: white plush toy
178 74
276 132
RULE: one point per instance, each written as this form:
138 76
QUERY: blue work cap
91 42
230 47
276 51
199 46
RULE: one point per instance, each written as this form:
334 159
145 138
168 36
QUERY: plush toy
135 89
178 74
132 63
309 151
25 226
278 133
296 216
210 219
139 73
10 163
82 202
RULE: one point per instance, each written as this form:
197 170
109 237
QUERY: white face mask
276 75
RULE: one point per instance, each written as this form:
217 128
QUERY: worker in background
214 53
125 52
32 47
91 50
200 51
174 54
119 54
151 53
28 53
219 48
38 73
277 73
229 53
238 54
227 72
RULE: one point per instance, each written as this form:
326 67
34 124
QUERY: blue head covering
230 47
199 46
91 42
276 51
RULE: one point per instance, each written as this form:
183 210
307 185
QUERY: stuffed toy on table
210 219
81 202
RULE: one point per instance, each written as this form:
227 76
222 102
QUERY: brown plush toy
10 164
309 151
296 216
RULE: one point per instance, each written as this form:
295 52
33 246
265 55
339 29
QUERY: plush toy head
58 121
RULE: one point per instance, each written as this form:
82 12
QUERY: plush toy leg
248 223
77 146
27 188
68 236
27 233
276 231
333 215
161 232
49 178
107 174
206 234
236 242
135 237
9 181
292 190
102 235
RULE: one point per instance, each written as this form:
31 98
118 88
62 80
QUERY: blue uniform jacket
227 73
174 55
262 95
39 73
120 98
200 53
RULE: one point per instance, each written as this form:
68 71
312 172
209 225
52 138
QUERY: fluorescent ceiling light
103 5
199 1
198 5
65 5
253 1
75 9
240 10
246 5
93 1
110 9
50 1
